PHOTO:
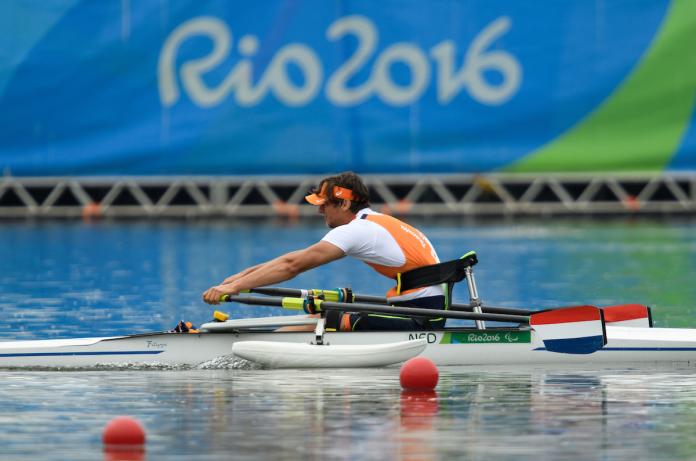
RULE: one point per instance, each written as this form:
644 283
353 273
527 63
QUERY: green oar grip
293 303
329 295
301 304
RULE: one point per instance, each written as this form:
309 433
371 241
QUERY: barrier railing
61 197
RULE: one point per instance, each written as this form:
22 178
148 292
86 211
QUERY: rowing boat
572 335
246 337
450 346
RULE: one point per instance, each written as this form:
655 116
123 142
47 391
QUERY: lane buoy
419 373
91 211
125 432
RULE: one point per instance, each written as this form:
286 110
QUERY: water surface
572 414
67 279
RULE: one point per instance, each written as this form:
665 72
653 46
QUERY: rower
390 246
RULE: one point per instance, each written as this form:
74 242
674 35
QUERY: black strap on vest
449 272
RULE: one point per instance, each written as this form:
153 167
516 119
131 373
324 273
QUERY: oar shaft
277 291
421 312
332 295
297 303
492 309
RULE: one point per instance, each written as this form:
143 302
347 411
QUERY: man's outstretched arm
277 270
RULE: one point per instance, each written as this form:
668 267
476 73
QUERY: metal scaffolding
263 196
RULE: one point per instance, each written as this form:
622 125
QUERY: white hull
447 347
274 354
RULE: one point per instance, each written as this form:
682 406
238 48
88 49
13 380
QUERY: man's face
335 215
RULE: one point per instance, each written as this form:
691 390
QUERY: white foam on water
227 362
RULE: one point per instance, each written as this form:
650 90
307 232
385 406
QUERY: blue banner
295 87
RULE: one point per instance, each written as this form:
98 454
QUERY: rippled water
347 414
64 279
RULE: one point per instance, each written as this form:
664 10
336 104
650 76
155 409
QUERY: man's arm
278 270
241 274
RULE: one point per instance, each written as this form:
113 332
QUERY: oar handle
337 294
284 302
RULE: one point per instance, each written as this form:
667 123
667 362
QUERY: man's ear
345 205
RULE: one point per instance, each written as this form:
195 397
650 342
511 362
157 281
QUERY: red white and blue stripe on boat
628 315
571 330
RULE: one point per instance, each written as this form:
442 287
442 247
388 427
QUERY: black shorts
348 321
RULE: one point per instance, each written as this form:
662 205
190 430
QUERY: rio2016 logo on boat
481 337
449 80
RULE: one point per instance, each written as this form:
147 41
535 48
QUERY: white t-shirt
369 242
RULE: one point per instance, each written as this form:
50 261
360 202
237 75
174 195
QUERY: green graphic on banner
486 337
642 125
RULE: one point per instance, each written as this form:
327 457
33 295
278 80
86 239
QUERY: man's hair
349 180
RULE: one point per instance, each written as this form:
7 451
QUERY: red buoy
123 431
419 373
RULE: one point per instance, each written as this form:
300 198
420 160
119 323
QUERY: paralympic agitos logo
438 65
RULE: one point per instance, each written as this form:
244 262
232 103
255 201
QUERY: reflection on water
356 414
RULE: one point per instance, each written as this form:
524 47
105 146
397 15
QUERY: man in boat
388 245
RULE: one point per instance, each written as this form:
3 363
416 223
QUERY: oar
572 330
320 305
615 313
338 295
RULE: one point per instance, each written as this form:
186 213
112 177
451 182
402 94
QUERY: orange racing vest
417 250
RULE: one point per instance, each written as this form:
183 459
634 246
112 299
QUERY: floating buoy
419 373
288 210
632 203
91 211
124 432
